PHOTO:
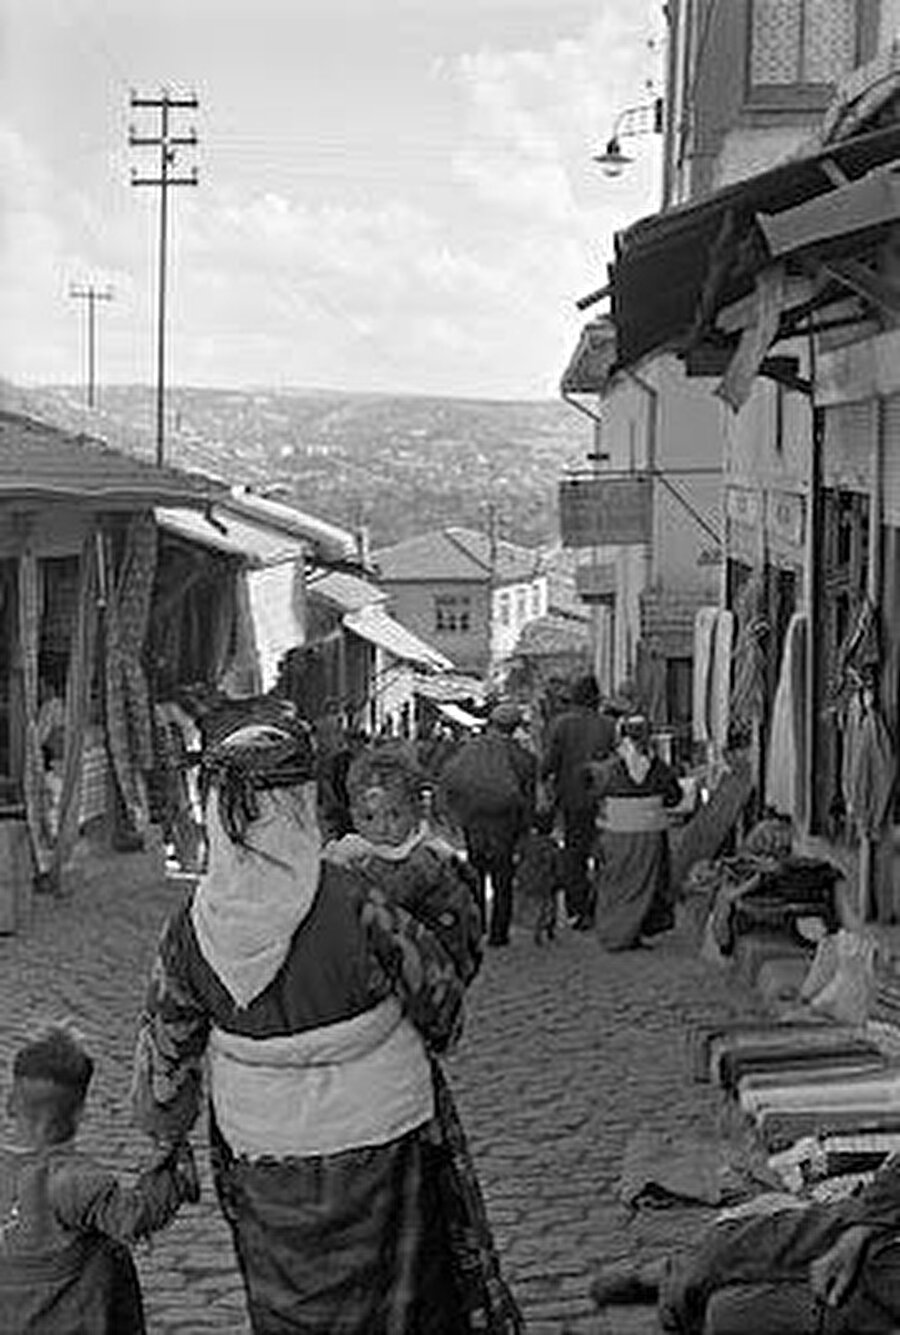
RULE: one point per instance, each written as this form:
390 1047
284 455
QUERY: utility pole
167 143
91 295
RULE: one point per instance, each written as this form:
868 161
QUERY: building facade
466 593
787 303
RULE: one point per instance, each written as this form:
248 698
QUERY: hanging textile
870 767
128 719
82 654
34 788
858 660
650 680
748 695
720 678
704 631
785 786
241 675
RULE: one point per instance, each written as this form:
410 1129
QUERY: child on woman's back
65 1222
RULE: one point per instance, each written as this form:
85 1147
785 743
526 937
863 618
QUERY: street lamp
647 118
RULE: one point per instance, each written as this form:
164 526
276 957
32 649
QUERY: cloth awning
462 717
374 624
673 270
450 687
257 544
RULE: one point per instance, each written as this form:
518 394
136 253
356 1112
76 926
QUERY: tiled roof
40 462
455 554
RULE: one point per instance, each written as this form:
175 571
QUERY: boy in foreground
65 1222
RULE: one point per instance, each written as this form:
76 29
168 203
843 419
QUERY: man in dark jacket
489 786
577 736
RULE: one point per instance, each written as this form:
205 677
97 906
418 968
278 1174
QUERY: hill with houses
399 465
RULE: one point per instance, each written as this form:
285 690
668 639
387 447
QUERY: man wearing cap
579 735
490 786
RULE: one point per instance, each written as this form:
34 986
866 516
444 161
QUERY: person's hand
833 1275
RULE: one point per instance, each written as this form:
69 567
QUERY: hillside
400 465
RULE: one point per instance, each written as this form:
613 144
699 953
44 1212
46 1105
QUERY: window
452 613
535 602
802 42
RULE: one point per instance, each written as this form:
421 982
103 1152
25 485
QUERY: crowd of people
306 994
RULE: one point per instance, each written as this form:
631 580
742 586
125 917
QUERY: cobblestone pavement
567 1050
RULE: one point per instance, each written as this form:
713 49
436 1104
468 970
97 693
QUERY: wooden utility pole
91 295
167 143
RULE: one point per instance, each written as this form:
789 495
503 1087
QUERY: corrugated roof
256 543
344 590
455 554
41 462
374 624
550 635
674 269
332 542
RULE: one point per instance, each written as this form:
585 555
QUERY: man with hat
489 786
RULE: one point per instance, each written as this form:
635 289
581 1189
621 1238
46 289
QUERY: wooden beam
866 283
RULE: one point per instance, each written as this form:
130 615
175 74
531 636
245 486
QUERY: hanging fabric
785 769
34 788
720 679
748 696
704 630
82 655
128 719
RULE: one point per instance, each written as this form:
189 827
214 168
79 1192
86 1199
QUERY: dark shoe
583 923
624 1283
497 941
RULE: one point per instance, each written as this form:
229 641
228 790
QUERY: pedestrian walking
577 736
634 884
315 1004
539 878
490 788
65 1222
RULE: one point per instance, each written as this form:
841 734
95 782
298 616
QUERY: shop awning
460 716
450 688
256 544
374 624
673 270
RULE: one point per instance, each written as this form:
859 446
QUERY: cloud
467 288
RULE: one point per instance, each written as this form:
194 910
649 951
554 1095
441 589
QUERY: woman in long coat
635 893
316 1007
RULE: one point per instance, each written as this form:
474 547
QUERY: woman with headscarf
635 893
316 1005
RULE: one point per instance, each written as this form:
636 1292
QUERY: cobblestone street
567 1050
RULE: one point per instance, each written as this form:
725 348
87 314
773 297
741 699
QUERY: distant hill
399 464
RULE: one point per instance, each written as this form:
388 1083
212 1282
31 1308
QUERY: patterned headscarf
253 746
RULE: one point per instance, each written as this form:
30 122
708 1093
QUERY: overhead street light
646 118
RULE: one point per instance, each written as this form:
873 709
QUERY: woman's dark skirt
386 1240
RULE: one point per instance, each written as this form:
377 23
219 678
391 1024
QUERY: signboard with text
603 511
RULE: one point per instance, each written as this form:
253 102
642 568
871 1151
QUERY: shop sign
596 583
742 506
785 515
605 511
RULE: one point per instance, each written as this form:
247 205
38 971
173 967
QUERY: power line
91 295
168 144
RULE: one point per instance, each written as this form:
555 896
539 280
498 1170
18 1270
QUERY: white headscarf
254 897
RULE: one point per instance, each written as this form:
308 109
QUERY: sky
394 195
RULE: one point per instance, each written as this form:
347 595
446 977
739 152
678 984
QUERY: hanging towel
720 678
704 630
785 787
